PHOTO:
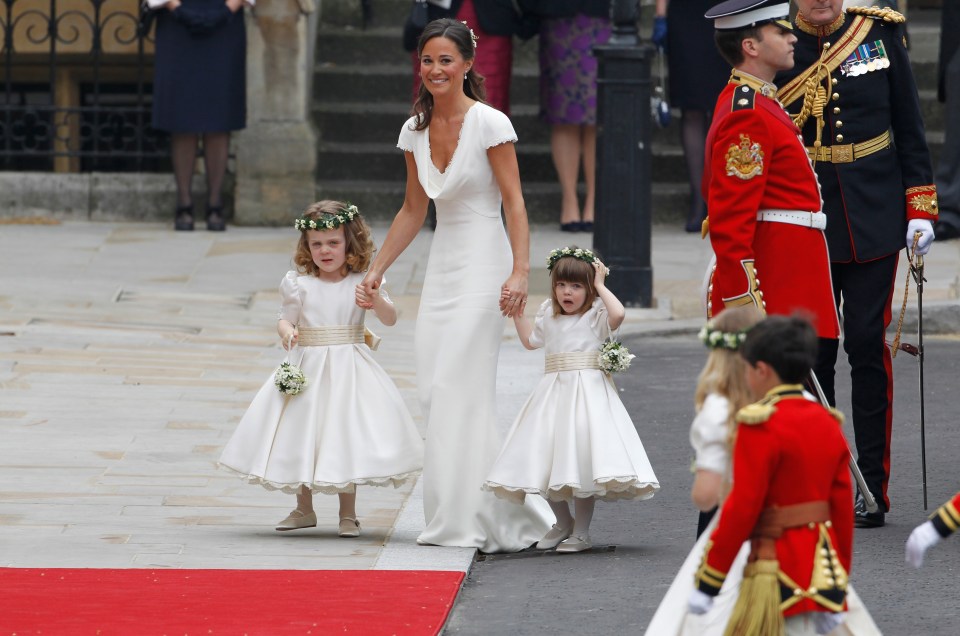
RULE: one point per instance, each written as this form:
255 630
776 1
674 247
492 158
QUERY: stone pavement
128 353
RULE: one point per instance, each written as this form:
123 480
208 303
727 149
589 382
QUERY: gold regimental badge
924 203
744 161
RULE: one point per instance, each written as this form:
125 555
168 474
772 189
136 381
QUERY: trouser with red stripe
866 290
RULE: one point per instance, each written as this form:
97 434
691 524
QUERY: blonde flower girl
348 426
573 441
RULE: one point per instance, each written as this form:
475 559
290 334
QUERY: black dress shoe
183 219
572 226
945 231
586 226
864 519
215 220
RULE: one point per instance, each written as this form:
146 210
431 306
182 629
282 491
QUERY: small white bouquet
614 357
289 379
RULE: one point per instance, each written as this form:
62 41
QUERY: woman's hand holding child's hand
513 295
364 299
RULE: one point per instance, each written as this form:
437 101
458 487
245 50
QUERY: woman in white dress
459 152
721 392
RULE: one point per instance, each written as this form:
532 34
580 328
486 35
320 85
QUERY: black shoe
864 519
945 231
183 220
586 226
572 226
215 221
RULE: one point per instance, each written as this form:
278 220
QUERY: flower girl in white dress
349 426
573 440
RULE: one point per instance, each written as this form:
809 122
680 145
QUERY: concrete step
394 82
380 200
380 121
383 161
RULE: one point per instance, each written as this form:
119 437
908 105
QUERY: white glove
923 537
826 622
925 228
699 603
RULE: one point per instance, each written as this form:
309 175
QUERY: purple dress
568 69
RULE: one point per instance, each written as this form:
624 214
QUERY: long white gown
709 438
573 437
458 336
348 427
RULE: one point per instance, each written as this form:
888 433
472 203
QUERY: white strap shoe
554 536
297 520
349 528
576 543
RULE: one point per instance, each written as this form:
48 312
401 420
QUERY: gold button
839 124
812 590
839 139
829 523
835 81
836 110
836 96
798 592
811 525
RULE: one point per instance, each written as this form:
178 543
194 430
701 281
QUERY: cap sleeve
708 435
290 302
598 320
536 336
407 135
496 129
382 290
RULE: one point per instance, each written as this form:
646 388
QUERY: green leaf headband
716 339
583 254
328 221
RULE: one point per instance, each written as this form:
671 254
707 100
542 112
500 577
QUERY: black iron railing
76 87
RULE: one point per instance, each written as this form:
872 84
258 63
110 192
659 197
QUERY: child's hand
289 338
600 273
363 298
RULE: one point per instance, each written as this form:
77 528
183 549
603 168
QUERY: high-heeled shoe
215 220
586 226
572 226
183 218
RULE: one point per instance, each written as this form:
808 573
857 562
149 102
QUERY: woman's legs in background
566 147
694 125
183 155
216 150
589 171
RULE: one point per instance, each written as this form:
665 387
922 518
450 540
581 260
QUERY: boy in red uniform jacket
791 496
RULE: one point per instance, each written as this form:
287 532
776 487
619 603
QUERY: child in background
349 425
573 440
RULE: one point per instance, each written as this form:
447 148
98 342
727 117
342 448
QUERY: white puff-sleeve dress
348 427
573 437
709 436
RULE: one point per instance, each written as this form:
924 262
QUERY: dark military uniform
853 93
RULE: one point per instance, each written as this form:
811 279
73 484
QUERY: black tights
694 125
216 148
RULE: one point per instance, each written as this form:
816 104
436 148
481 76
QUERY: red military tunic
789 450
947 517
756 161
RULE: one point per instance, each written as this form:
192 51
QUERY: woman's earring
464 76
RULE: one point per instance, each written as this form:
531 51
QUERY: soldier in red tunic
941 525
791 497
763 199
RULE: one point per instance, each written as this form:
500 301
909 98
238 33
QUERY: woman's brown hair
461 36
571 269
359 243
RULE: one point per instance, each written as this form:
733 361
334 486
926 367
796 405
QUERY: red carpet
89 601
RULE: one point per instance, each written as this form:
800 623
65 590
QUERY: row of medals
854 69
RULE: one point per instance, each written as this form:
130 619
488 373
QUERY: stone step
380 121
383 162
394 82
380 200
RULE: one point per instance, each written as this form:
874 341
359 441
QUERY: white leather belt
572 361
816 220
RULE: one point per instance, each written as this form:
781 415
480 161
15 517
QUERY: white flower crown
328 221
716 339
583 254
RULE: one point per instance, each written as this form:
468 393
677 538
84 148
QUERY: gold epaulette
837 415
885 14
757 413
